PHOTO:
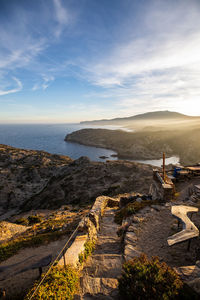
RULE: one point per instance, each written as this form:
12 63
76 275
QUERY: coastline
143 145
79 137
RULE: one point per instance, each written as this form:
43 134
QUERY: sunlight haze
68 61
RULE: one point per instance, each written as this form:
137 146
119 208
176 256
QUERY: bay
50 138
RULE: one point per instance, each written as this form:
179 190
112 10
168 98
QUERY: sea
50 138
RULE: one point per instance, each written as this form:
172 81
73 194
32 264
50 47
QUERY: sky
64 61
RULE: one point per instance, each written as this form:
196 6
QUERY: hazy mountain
156 115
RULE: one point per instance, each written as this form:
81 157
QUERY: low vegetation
89 248
29 221
61 283
130 209
12 247
149 279
49 230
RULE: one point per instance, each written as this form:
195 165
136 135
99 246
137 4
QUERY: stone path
99 276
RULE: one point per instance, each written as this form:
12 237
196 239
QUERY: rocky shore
143 145
126 144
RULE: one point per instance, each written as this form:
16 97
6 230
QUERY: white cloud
44 84
19 45
62 17
25 37
161 67
141 57
17 88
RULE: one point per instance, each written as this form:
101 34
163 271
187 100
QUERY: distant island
154 133
156 115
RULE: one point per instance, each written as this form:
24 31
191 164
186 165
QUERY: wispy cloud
17 88
24 42
140 57
62 17
44 84
161 66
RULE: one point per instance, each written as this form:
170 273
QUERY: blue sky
72 60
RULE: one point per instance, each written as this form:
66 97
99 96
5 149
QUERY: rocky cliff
146 144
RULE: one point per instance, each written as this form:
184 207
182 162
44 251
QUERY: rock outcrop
24 173
36 179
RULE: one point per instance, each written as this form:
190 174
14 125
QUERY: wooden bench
189 229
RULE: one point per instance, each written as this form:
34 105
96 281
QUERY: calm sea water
50 138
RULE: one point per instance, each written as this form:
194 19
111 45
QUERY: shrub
130 209
144 279
22 221
29 221
34 219
61 283
89 248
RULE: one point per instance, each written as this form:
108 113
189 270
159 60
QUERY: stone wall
87 230
161 192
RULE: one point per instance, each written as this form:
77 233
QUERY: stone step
108 229
98 288
108 245
99 276
104 265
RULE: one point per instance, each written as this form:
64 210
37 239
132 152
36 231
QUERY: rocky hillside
36 179
184 143
24 173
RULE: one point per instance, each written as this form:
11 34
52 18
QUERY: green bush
61 283
89 248
145 279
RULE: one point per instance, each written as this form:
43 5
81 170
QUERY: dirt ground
182 187
16 283
153 234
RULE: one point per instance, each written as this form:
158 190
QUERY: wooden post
64 259
178 223
189 243
40 272
164 166
2 294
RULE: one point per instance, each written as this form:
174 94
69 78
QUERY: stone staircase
99 276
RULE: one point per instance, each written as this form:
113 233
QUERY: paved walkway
99 276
